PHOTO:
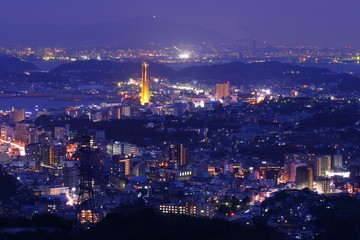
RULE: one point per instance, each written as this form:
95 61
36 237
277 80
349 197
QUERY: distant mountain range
108 72
243 73
235 72
141 31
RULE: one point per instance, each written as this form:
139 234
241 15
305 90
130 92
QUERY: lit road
21 148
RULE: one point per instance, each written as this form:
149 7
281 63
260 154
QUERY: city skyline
200 119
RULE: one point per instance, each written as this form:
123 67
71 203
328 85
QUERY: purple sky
324 22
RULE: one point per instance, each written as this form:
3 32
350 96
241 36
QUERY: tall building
178 154
71 174
322 165
222 91
116 112
120 167
47 155
25 132
59 153
290 170
337 161
32 153
323 185
19 115
60 133
96 136
138 169
304 178
145 90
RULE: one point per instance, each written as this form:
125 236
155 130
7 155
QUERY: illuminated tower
145 93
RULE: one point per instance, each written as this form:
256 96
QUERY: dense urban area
213 143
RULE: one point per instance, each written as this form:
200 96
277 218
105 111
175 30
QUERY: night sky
293 22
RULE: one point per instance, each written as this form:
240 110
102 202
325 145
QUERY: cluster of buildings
239 150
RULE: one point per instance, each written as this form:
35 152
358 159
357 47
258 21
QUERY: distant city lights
184 56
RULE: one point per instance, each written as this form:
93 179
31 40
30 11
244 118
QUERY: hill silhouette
144 224
10 64
109 72
236 72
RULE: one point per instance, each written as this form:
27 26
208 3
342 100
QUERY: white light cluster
184 55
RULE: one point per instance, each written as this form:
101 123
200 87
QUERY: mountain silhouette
236 72
109 72
10 64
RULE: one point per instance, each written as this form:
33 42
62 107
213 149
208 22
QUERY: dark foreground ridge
143 224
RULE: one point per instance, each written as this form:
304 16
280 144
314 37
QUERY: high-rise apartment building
19 115
290 170
322 165
222 91
337 161
120 167
323 185
61 133
178 153
25 132
304 177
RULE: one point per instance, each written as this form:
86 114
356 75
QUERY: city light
184 56
340 174
178 125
